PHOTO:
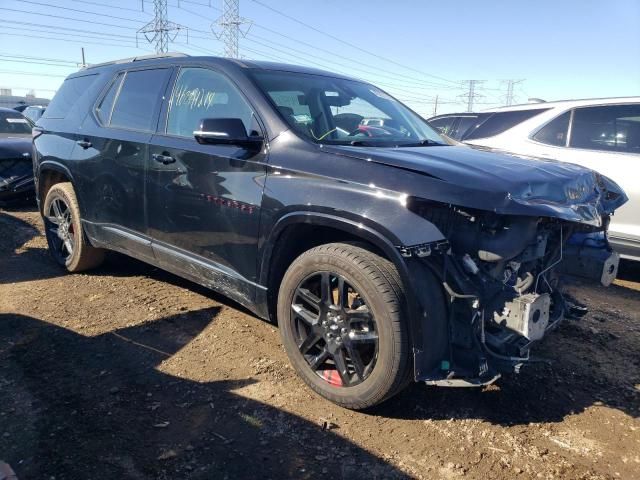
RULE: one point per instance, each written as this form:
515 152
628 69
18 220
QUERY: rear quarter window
67 96
500 122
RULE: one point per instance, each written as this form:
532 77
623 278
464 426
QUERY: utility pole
229 26
160 30
471 94
84 63
435 107
509 95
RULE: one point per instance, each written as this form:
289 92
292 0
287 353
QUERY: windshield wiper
423 143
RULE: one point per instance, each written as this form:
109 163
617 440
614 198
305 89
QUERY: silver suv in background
601 134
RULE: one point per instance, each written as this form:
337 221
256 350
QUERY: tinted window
138 101
443 125
68 94
14 122
200 93
554 132
103 110
462 125
610 127
500 122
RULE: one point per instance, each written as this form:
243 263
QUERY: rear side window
501 122
67 96
443 125
555 132
137 104
104 108
460 128
609 127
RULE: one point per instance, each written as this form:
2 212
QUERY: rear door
113 150
606 138
204 200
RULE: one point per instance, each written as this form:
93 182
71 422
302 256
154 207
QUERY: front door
203 201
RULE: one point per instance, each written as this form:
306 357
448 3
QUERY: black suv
323 203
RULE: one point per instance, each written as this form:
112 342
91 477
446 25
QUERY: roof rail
153 56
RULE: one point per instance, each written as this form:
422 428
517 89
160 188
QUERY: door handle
163 158
84 143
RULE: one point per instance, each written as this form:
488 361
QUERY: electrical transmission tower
160 30
229 27
509 96
472 93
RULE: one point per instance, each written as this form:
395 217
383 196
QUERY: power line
111 6
62 17
36 74
128 37
98 36
73 41
36 58
357 47
77 10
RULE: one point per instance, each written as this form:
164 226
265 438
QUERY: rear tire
65 237
370 284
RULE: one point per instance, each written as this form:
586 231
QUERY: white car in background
601 134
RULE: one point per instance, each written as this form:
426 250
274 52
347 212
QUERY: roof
221 61
566 103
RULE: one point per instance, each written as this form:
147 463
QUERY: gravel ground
130 372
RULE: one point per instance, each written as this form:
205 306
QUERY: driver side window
201 93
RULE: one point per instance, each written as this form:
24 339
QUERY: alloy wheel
60 229
335 329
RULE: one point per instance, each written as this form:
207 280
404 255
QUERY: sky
415 50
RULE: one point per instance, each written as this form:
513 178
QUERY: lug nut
344 330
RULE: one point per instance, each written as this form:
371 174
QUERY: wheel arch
297 232
49 173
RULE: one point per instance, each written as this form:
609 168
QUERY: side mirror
225 131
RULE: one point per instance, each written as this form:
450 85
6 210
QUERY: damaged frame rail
493 324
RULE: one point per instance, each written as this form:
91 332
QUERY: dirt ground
130 372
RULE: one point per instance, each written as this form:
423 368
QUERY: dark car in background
322 203
16 167
34 112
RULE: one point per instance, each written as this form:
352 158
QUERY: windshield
344 112
14 123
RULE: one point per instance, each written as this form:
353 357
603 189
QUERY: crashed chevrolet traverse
322 203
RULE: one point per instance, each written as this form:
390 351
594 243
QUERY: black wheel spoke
325 288
341 366
361 314
343 293
309 342
330 333
305 315
308 297
356 361
318 360
363 337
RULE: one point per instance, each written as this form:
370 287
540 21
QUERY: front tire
63 229
340 310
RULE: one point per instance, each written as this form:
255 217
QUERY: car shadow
99 407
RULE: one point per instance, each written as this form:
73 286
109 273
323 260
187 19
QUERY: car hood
15 146
504 183
15 161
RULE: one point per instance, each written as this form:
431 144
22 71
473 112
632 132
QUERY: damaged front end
502 280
